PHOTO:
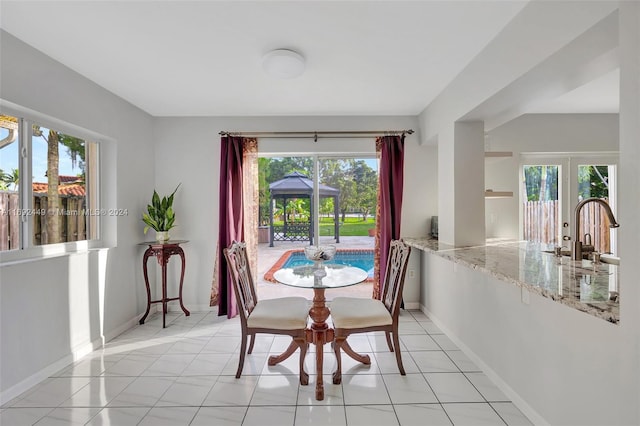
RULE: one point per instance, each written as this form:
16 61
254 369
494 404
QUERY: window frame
27 250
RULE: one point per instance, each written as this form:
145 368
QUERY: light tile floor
184 375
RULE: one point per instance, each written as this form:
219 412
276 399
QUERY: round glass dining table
325 276
319 278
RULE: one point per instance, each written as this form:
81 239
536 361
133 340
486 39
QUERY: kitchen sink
564 252
609 258
604 258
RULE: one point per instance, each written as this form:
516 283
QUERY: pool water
362 259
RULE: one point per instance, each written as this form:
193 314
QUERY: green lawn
352 227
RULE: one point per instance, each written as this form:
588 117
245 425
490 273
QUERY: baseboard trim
122 328
412 305
517 400
34 379
78 353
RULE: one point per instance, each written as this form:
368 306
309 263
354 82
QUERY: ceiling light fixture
283 63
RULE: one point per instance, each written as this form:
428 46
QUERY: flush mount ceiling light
283 63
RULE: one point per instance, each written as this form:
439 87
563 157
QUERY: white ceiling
176 58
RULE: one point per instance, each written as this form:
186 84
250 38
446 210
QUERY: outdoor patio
267 256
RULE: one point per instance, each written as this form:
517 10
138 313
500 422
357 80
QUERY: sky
372 162
9 158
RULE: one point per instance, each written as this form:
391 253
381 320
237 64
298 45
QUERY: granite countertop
576 283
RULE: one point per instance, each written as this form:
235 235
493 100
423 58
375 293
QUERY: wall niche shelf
498 154
497 194
489 193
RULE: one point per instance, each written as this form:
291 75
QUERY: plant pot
162 236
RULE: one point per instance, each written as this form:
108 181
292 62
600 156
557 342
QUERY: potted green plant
160 215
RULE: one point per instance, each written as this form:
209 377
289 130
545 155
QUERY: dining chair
282 316
359 315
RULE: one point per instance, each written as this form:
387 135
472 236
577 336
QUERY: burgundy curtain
230 220
390 150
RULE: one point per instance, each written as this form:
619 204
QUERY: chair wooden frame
247 300
391 299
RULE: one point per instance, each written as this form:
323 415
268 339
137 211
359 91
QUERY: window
348 189
541 207
596 181
551 189
48 193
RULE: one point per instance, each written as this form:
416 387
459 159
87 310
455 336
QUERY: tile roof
68 179
72 190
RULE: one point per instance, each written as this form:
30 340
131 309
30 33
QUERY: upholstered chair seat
352 312
352 315
286 315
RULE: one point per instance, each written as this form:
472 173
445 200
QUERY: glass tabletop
158 243
326 276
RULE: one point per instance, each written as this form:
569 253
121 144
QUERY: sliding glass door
297 210
352 212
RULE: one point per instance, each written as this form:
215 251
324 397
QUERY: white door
551 188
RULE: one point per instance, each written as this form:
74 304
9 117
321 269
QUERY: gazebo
297 185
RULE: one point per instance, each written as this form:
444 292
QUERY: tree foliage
356 180
541 183
338 174
7 179
593 181
367 188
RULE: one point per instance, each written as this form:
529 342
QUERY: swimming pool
362 259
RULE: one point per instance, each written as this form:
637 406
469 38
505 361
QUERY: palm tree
3 180
75 147
13 178
294 207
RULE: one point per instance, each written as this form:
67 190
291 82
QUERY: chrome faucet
577 245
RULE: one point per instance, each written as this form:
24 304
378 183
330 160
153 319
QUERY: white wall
571 368
537 133
188 151
65 303
629 176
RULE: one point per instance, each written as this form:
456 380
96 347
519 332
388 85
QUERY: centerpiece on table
319 254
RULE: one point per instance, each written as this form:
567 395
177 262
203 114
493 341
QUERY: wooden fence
540 221
73 221
540 224
595 222
9 221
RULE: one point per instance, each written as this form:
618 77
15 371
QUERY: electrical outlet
412 273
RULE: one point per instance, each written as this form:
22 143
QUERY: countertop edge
449 252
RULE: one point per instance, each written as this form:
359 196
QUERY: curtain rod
320 134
